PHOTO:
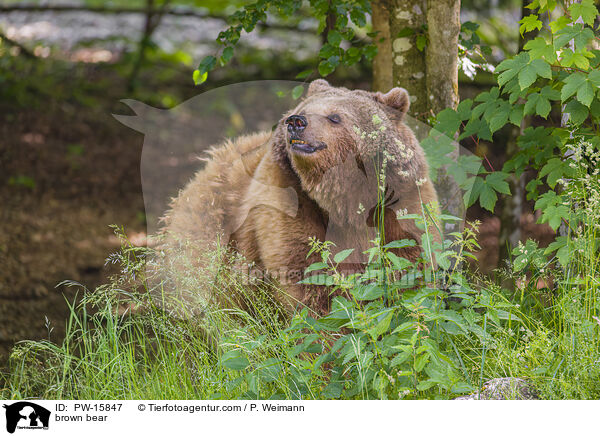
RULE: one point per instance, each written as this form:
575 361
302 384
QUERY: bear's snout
296 124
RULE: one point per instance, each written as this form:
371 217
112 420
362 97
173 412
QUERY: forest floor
67 174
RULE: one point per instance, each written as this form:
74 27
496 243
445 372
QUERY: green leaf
594 78
342 255
561 246
489 104
352 56
366 292
577 33
595 108
527 76
499 117
426 384
556 169
550 94
199 79
485 190
584 9
560 23
517 62
510 68
554 215
334 38
516 115
207 64
326 68
471 196
496 180
539 48
404 32
570 58
529 107
421 42
421 362
333 390
297 92
464 109
226 55
234 360
537 103
317 266
304 74
328 50
553 209
585 94
370 51
578 112
542 108
572 84
402 243
529 23
477 127
542 68
358 17
400 264
382 326
448 121
488 198
237 364
400 359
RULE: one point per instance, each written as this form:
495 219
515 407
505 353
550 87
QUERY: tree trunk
430 76
382 64
443 27
408 62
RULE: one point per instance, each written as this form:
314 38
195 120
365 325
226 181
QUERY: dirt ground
66 174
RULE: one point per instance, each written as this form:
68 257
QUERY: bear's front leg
283 245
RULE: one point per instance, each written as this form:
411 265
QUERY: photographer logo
26 415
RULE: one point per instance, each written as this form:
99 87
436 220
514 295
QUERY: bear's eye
334 118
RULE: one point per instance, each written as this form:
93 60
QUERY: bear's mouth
299 145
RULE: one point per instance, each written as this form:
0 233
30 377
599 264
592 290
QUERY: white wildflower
401 212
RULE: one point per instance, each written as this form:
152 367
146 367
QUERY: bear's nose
296 123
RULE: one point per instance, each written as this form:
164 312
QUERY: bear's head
337 141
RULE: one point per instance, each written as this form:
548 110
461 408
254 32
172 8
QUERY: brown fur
264 199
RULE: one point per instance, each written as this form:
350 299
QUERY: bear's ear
318 85
396 98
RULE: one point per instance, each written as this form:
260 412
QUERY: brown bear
321 173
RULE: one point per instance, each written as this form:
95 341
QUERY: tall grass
130 345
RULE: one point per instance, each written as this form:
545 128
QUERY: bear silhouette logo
25 414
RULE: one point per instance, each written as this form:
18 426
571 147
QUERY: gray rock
504 388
